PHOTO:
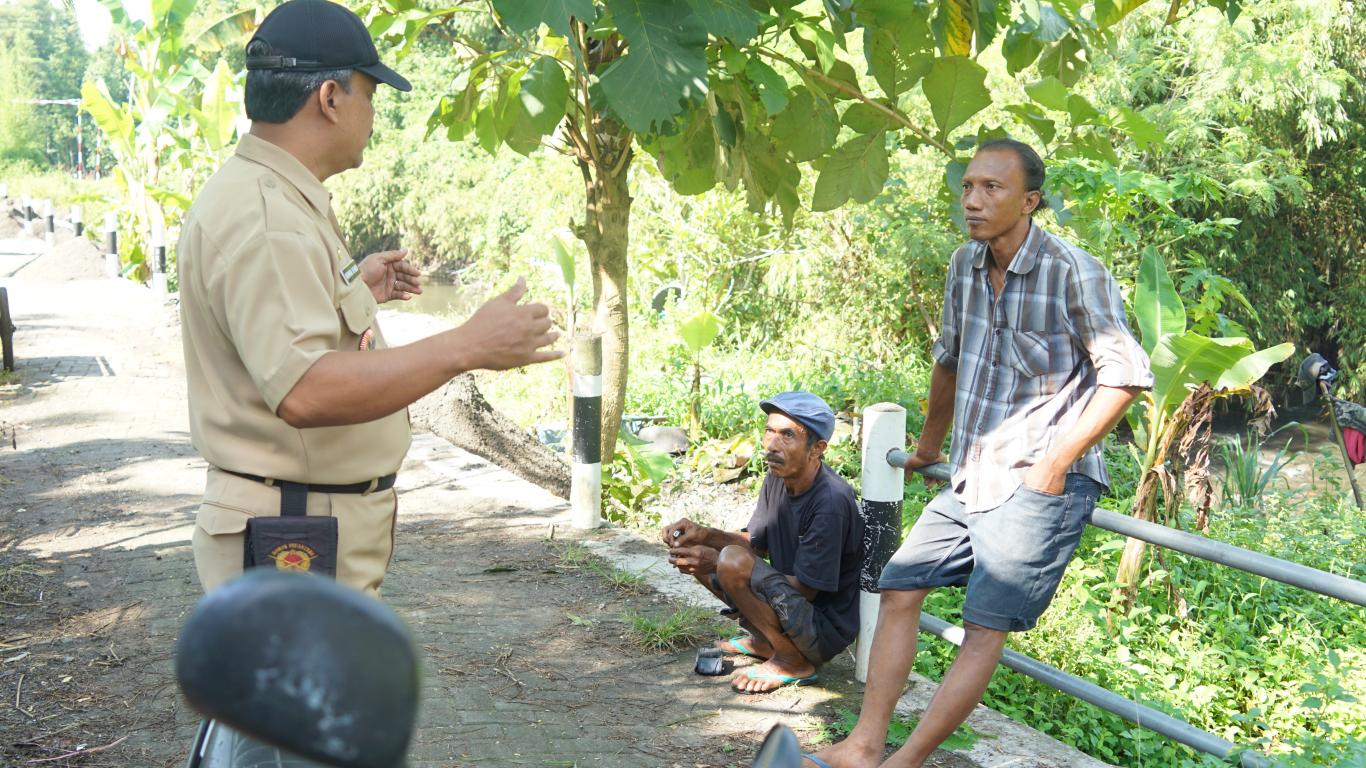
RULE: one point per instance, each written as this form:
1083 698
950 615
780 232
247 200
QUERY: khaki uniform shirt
266 288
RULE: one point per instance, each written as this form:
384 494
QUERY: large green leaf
116 123
1156 303
897 41
219 107
523 15
687 158
1183 360
699 330
857 170
771 86
665 65
808 127
734 19
1253 367
956 88
1049 92
1034 118
956 22
544 94
1110 12
169 16
1139 128
231 31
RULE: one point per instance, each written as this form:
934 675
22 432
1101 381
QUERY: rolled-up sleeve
945 349
1096 311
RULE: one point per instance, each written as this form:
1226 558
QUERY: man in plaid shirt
1034 366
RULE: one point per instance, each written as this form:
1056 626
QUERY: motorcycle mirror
779 750
303 664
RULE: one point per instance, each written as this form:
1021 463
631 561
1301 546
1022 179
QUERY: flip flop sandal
735 642
782 680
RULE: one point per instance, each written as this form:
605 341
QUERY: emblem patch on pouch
293 556
367 339
349 272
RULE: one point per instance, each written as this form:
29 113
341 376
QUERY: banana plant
1170 422
182 110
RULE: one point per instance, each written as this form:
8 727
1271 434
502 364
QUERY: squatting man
800 607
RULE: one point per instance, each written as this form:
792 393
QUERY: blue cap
805 408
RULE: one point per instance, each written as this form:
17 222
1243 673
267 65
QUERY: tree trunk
459 413
606 234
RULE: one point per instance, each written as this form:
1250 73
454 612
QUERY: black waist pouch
293 541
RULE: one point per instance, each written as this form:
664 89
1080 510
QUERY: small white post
884 430
77 223
157 258
49 223
111 245
585 483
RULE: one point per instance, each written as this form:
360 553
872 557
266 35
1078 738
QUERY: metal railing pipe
1140 714
1274 568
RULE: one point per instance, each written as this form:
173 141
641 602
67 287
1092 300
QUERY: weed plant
683 628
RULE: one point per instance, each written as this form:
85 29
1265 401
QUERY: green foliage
1244 480
683 628
634 475
41 58
178 118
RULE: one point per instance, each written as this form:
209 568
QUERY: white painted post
585 488
111 245
50 223
884 430
76 221
156 256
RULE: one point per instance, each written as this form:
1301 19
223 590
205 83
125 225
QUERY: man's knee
978 636
896 600
733 567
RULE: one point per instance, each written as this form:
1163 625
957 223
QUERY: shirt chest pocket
1042 354
357 309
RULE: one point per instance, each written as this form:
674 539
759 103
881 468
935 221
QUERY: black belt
294 496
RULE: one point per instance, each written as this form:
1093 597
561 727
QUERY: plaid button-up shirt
1029 363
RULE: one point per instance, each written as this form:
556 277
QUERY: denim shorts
812 633
1010 558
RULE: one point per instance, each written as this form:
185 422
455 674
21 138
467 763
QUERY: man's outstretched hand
511 334
390 276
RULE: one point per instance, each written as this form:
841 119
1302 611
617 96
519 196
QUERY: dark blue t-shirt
816 536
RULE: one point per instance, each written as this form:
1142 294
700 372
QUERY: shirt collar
262 152
1025 258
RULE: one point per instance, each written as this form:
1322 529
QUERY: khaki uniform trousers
365 529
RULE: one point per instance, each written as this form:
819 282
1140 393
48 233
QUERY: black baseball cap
316 35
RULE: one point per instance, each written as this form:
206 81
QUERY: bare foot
772 675
849 754
757 647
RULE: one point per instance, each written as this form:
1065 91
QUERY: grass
683 628
8 378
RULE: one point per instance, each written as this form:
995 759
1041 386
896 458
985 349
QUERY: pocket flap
358 308
217 520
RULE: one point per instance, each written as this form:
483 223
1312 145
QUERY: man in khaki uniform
291 384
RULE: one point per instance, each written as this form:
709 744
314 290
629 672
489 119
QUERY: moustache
773 458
